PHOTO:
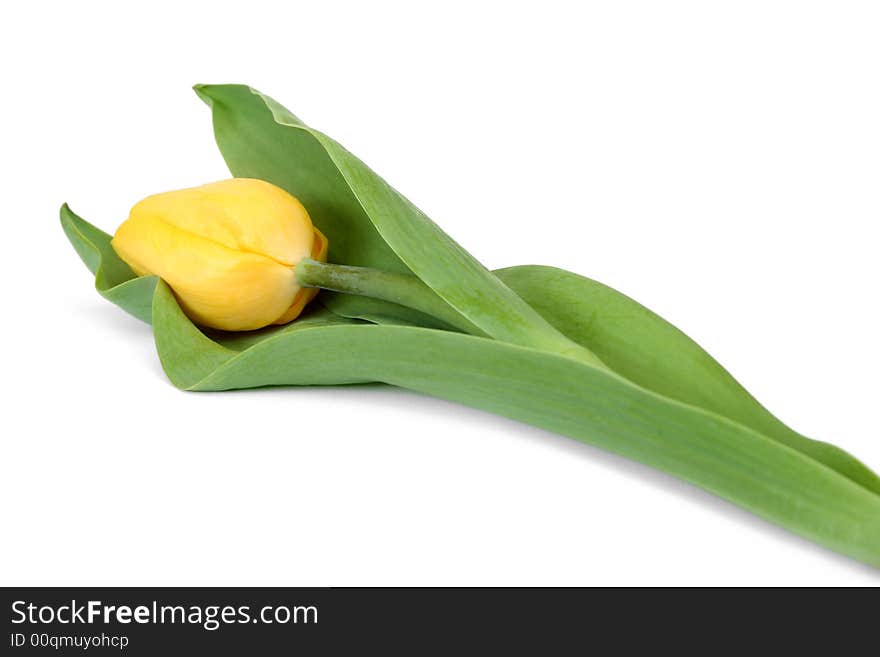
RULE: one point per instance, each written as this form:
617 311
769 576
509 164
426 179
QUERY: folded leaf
648 350
314 315
556 393
628 337
114 279
350 203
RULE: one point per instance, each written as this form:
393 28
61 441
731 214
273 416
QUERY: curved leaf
113 278
351 204
562 395
648 350
628 337
255 146
314 315
666 404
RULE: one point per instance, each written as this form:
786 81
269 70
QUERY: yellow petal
243 214
217 286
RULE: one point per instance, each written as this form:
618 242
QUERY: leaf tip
68 218
202 92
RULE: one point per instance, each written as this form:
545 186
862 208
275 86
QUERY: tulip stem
404 289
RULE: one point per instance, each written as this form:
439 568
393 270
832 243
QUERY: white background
718 161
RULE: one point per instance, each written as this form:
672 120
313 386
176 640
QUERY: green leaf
666 404
314 315
628 337
255 146
378 311
351 204
113 278
648 350
559 394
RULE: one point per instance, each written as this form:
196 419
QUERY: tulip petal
241 214
218 286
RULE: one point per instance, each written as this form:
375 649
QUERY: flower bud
227 249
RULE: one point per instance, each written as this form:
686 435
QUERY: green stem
404 289
408 290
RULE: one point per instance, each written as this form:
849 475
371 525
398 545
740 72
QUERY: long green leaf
648 350
261 139
586 403
667 403
255 146
628 337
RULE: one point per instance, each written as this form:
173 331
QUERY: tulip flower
228 250
241 254
536 344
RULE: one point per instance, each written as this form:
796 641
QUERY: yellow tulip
227 249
